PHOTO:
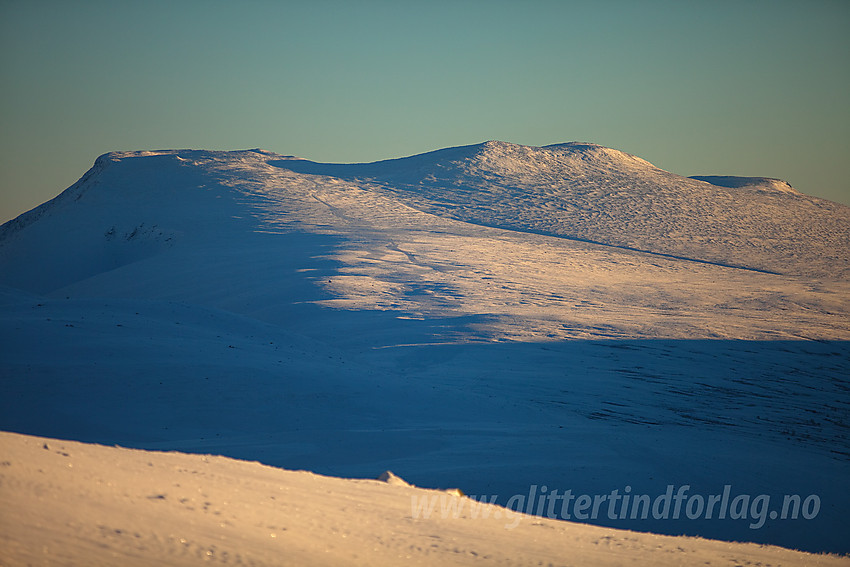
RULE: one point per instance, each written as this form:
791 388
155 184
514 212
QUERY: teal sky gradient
698 88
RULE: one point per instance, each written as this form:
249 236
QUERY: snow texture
486 317
78 504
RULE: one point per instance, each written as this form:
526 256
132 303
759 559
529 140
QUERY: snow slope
597 194
493 317
93 505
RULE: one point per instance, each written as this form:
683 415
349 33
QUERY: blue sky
715 87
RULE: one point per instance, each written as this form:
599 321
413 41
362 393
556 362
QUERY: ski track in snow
490 316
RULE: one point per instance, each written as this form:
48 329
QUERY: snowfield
87 504
497 318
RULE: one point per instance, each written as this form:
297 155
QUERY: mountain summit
488 160
596 194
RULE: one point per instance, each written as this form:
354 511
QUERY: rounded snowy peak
493 157
556 156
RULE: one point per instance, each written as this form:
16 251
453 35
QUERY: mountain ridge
493 156
596 194
575 190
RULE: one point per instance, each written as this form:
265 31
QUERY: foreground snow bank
64 502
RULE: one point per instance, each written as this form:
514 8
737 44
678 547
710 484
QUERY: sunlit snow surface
491 317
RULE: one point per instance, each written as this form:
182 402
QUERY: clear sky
725 87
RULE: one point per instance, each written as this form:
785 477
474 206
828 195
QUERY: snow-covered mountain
591 193
491 316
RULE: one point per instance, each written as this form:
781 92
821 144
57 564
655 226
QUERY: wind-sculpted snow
596 194
490 317
175 223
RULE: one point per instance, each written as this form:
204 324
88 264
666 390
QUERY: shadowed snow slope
494 317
